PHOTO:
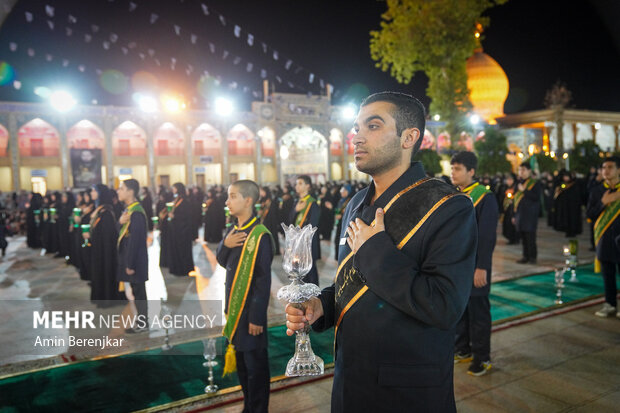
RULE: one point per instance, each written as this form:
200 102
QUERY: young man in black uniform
133 261
473 339
527 209
246 253
604 211
307 211
406 267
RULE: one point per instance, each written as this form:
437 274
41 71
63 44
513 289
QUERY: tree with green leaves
434 37
430 160
491 151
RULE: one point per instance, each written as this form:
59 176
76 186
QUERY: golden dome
488 86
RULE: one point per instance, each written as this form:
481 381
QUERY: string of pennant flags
93 33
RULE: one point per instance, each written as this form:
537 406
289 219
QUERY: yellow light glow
509 195
531 149
552 154
520 155
565 156
477 35
172 105
545 148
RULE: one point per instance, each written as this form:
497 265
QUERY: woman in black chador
215 217
567 205
88 207
326 221
507 202
147 204
180 233
270 215
33 221
103 252
346 193
164 237
64 235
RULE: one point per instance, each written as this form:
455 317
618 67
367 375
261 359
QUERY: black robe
84 252
271 220
215 220
64 236
326 220
180 240
509 231
33 230
567 210
103 258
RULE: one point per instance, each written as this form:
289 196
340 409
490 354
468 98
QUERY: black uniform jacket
607 248
255 309
487 215
394 346
132 251
529 208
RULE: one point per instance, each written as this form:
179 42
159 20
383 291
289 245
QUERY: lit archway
4 141
85 135
169 140
38 138
241 141
206 140
304 151
268 141
128 139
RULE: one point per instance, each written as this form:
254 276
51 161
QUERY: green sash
476 192
135 207
529 184
301 215
243 278
607 217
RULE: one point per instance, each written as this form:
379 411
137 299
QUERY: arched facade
4 141
241 141
85 135
206 141
128 139
169 140
38 138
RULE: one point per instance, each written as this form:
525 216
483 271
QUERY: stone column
14 151
575 129
109 150
64 151
189 154
258 168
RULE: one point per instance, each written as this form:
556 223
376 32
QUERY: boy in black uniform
246 253
133 262
604 211
307 211
473 331
527 209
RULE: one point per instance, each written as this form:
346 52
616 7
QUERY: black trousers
609 278
473 331
528 239
139 294
253 372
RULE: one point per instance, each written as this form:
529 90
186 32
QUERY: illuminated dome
488 85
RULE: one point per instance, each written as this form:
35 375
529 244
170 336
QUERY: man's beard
383 159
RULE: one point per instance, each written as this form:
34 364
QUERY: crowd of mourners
54 222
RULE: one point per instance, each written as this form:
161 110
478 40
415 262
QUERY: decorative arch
350 147
206 140
38 138
304 138
129 139
241 140
268 141
85 135
335 142
4 141
169 140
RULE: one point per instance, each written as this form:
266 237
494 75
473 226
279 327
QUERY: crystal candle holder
297 262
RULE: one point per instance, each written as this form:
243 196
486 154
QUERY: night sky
536 42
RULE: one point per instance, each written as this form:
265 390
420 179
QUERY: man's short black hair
465 158
132 185
615 159
306 179
247 189
526 165
409 112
